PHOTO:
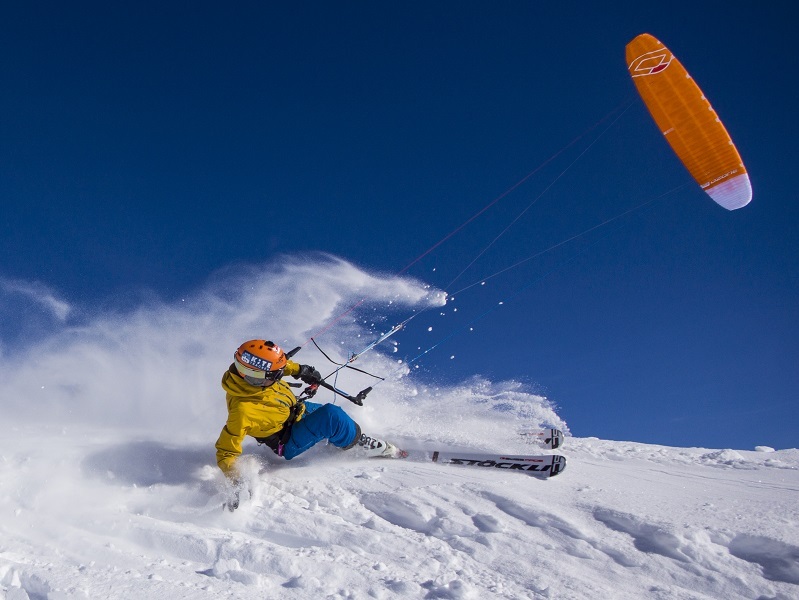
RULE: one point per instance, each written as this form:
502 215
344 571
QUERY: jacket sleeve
228 446
291 368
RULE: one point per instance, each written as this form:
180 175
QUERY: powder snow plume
157 365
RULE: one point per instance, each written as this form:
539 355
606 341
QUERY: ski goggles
268 379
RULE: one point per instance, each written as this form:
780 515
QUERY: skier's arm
307 373
228 446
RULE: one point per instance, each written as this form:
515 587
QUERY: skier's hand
232 501
232 490
309 374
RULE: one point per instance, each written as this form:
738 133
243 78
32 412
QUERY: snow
108 486
91 514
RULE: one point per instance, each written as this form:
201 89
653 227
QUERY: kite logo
651 63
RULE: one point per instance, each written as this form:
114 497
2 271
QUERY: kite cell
689 123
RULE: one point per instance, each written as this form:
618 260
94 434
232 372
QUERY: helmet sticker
255 361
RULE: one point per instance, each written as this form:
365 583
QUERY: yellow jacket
256 411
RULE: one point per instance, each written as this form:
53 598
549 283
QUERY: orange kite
689 123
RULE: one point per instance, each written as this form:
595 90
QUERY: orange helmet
260 362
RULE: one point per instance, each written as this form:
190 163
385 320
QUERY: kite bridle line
383 337
625 105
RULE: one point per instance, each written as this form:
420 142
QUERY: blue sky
144 148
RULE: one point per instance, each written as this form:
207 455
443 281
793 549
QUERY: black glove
309 374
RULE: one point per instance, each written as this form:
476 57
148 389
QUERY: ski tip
556 439
558 465
545 438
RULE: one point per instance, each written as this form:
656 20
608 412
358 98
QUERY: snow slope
88 514
108 487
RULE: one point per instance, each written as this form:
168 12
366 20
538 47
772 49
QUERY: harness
278 440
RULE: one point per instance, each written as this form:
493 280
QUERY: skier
263 406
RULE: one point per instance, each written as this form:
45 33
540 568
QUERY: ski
545 465
546 438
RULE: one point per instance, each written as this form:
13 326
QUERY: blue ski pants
320 422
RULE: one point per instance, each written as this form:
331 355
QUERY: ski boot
371 447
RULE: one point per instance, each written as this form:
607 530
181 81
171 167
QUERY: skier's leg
312 406
326 421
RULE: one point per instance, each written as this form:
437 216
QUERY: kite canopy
691 126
